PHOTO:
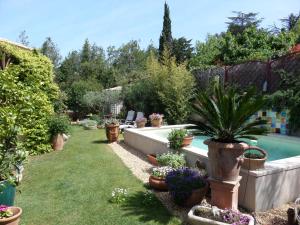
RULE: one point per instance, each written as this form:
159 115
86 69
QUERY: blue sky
113 22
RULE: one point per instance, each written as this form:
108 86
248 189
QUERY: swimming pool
277 146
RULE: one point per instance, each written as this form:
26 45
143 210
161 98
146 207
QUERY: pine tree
86 52
165 40
50 49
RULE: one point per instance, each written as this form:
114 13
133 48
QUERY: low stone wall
260 190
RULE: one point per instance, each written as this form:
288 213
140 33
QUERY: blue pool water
277 146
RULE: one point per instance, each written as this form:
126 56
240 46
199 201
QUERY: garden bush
27 95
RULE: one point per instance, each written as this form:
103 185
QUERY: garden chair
129 122
139 115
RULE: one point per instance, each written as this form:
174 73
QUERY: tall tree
290 21
86 52
241 21
165 40
23 38
182 50
50 49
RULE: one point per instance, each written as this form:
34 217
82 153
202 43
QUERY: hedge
27 95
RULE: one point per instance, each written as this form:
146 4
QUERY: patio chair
128 122
139 115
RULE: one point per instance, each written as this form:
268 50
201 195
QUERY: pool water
277 146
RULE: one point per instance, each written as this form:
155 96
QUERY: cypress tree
165 40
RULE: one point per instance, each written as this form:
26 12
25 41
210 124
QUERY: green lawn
74 186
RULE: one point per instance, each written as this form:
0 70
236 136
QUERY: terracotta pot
141 124
254 164
225 159
156 123
187 141
58 142
152 159
112 132
197 196
158 183
15 219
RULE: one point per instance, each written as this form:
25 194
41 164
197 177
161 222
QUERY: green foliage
27 92
174 86
224 116
170 159
288 96
165 39
58 125
182 50
175 138
50 49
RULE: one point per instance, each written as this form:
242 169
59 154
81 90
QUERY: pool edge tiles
260 190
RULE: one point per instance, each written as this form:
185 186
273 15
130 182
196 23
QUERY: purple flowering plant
156 116
5 212
142 119
234 217
181 183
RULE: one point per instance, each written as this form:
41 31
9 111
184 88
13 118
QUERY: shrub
58 125
119 195
182 182
171 160
161 172
175 138
27 93
90 124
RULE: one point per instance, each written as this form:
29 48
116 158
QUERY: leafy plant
172 160
161 172
119 195
175 138
58 125
112 121
224 116
5 212
182 182
156 116
149 198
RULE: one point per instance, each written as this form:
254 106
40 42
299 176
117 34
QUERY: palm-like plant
224 116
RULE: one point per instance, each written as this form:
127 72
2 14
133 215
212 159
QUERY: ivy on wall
27 95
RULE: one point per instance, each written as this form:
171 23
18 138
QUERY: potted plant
179 138
10 215
186 186
224 118
157 178
172 160
254 160
141 122
152 158
112 130
199 215
156 119
187 139
58 125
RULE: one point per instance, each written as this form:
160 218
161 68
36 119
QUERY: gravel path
138 164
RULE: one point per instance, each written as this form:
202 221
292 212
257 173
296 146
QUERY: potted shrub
172 160
10 215
58 125
186 186
179 138
112 130
141 122
156 119
254 160
157 178
224 118
187 139
152 158
199 215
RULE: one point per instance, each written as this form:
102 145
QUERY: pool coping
271 167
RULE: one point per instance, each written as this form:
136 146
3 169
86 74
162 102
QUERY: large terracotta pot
252 163
13 220
187 141
152 159
197 196
225 159
141 124
58 142
158 183
112 132
156 123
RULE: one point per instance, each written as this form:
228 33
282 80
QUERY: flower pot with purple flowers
10 215
200 215
141 122
186 186
156 119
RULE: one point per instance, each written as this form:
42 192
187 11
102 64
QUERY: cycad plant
224 116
